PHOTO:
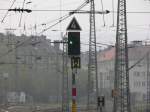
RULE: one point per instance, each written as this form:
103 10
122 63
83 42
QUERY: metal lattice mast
122 97
92 66
148 85
65 92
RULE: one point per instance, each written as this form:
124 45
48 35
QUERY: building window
143 83
137 84
136 74
108 77
144 97
148 83
143 74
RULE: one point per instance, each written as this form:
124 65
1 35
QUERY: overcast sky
138 24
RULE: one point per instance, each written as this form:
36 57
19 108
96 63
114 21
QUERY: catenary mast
122 96
92 65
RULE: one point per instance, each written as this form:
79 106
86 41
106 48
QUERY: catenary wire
113 15
21 13
7 12
65 17
22 43
52 10
102 5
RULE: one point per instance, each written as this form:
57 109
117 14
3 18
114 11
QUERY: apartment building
137 74
28 64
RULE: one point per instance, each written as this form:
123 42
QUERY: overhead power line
20 10
8 11
66 16
140 12
59 20
71 12
51 10
21 13
99 44
102 5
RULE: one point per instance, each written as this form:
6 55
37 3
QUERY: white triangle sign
74 25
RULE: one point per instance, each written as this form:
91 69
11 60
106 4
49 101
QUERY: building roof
107 54
134 52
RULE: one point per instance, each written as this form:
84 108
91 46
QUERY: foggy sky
138 24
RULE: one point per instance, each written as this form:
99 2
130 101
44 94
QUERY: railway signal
73 43
74 52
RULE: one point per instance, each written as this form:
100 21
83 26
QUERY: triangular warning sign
74 25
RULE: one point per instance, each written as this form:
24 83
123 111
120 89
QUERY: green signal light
71 42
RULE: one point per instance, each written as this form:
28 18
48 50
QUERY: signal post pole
74 53
74 90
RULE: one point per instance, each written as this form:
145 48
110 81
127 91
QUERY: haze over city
74 56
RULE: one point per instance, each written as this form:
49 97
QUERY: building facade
137 72
32 65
